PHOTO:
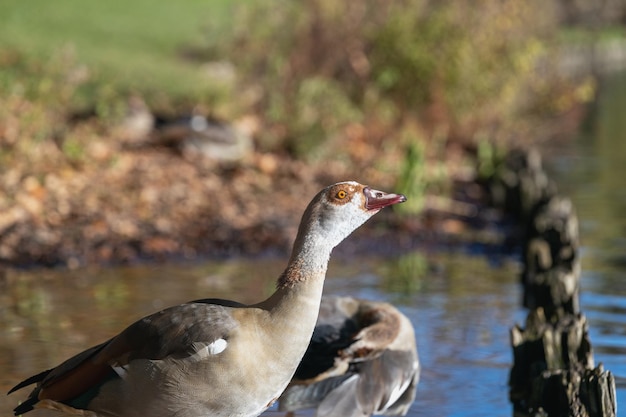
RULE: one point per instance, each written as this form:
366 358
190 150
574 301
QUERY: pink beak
376 200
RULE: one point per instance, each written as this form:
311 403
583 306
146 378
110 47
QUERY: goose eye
341 194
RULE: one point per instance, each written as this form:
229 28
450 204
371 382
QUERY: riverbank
111 193
126 205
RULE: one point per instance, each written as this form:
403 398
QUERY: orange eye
341 194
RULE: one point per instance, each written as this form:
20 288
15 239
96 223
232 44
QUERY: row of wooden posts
553 373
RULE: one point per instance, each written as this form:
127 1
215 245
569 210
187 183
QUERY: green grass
133 45
581 35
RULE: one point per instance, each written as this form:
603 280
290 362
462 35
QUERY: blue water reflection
462 321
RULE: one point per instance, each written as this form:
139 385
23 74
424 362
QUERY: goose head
339 209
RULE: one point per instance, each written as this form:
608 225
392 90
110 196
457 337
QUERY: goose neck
308 261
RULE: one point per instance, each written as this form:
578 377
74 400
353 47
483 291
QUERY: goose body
362 360
213 357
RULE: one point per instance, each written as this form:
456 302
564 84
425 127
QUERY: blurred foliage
490 158
26 121
412 178
581 35
36 94
392 92
316 67
311 71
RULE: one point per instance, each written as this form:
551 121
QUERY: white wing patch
395 394
205 350
216 347
398 390
120 371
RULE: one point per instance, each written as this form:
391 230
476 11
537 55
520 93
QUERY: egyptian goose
362 360
213 357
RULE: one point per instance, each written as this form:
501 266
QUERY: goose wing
197 328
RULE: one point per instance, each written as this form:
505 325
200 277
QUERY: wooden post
553 373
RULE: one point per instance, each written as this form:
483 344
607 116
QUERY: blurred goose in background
213 357
198 135
362 360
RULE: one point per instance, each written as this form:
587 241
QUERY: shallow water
461 311
461 305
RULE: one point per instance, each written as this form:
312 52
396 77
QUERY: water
461 311
591 172
462 306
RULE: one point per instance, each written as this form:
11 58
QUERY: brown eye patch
341 193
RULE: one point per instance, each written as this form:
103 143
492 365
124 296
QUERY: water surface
461 308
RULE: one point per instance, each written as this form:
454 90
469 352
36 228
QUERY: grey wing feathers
182 331
391 382
299 396
342 402
171 332
385 385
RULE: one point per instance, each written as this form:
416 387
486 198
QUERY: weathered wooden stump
553 373
519 183
551 274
